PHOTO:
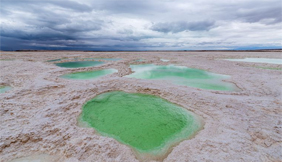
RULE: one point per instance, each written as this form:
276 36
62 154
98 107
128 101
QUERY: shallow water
4 89
147 123
164 60
89 74
78 64
182 76
258 60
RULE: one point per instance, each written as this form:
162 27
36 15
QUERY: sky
140 24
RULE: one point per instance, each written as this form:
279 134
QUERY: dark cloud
176 27
45 24
40 36
273 13
127 24
70 5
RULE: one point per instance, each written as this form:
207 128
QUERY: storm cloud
140 25
176 27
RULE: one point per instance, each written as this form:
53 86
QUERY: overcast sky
140 24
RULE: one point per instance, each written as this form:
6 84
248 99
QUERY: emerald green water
3 89
183 76
147 123
89 74
78 64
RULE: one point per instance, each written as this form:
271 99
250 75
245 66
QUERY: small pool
89 74
78 64
148 124
4 89
258 60
182 76
164 60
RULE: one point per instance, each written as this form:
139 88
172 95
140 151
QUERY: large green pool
183 76
89 74
147 123
78 64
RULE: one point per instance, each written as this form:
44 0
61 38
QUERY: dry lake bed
140 106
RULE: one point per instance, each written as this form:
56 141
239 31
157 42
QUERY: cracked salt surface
39 116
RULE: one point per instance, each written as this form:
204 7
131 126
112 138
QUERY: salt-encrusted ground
38 117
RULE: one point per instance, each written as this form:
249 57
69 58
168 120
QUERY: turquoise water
164 60
258 60
89 74
4 89
78 64
182 76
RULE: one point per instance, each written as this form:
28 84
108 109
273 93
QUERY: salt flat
39 113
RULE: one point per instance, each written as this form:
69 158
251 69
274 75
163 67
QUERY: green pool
183 76
89 74
147 123
78 64
4 89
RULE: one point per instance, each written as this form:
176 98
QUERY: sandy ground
39 115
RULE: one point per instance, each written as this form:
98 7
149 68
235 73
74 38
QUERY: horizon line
216 50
